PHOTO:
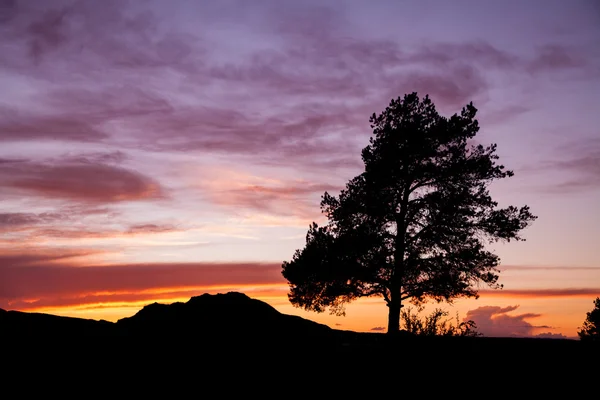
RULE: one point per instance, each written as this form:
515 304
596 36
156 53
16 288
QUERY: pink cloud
294 198
495 321
150 228
63 216
566 292
546 267
125 299
31 256
88 182
28 228
40 277
16 220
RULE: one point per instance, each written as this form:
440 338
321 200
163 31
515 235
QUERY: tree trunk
395 303
394 306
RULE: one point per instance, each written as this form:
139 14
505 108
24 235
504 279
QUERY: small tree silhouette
591 325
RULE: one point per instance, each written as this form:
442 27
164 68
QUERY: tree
591 325
414 225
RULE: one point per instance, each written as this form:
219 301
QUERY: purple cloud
87 182
16 220
82 33
294 198
555 57
18 126
150 228
314 83
577 167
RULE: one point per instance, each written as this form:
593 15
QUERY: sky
151 151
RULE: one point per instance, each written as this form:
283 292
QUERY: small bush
436 324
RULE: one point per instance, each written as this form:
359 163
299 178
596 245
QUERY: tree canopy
591 325
414 225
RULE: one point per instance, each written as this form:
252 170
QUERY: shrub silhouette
436 324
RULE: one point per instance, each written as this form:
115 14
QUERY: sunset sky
155 150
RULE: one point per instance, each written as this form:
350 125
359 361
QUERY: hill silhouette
235 321
17 323
224 336
219 316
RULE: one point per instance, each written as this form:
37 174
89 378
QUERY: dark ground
233 344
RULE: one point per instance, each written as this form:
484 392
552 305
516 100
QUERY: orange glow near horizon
50 281
557 313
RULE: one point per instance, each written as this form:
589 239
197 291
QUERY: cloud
300 97
17 220
8 9
538 293
150 228
585 170
306 95
78 34
577 165
547 267
495 321
555 57
28 228
31 256
11 160
22 229
455 86
107 102
492 115
43 277
327 135
481 53
269 196
19 126
87 182
106 299
378 328
80 114
97 157
550 335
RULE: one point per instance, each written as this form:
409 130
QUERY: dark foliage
415 224
591 326
437 324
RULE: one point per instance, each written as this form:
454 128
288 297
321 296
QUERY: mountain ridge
209 315
231 326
